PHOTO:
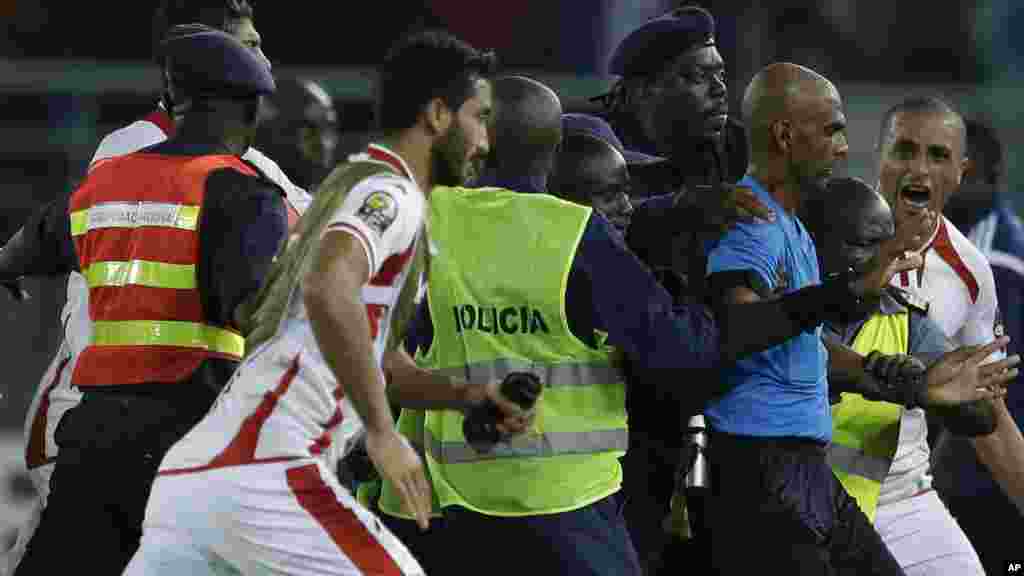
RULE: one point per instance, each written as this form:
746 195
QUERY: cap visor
639 158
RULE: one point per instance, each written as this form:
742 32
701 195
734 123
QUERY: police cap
203 61
598 128
645 50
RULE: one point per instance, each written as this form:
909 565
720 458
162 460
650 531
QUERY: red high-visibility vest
134 222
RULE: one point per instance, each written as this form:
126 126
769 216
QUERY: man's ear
438 116
782 134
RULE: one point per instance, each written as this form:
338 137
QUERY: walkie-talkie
480 425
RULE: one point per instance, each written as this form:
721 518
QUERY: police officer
163 296
672 100
300 129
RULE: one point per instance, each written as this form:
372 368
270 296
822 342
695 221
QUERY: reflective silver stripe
551 375
136 214
855 462
545 445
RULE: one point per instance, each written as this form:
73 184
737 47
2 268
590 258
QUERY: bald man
776 505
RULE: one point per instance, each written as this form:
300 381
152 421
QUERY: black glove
900 377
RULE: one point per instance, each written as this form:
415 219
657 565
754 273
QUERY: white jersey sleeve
983 317
296 196
131 138
384 213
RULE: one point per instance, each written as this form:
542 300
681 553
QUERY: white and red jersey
284 402
956 281
55 395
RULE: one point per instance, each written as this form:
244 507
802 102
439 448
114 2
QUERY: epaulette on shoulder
909 299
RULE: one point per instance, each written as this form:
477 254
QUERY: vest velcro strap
168 333
134 215
545 445
550 375
858 463
141 273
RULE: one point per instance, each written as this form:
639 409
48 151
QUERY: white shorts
925 538
272 518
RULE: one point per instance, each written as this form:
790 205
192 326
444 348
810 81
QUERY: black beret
645 50
208 62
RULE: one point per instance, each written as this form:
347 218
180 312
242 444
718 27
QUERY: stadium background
71 72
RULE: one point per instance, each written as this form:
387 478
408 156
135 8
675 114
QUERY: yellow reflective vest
865 433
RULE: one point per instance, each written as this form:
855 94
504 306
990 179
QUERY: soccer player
317 334
922 158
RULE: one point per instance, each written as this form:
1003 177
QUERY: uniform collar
382 153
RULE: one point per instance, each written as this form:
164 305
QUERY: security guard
879 446
672 100
171 240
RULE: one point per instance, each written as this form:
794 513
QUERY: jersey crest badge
379 211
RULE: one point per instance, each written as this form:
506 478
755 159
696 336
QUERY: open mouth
916 196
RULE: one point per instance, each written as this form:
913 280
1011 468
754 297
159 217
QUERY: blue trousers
590 541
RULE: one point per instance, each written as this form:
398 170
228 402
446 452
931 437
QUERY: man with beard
317 332
922 159
879 446
300 130
170 240
772 488
672 100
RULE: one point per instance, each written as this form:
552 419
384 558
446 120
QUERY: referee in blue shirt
776 505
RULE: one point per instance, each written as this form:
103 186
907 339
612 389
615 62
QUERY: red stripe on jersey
35 452
324 441
162 120
943 246
392 267
904 279
345 528
242 448
382 154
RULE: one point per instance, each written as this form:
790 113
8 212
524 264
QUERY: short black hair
426 65
213 13
985 149
570 182
921 104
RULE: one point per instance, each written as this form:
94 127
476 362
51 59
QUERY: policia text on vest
509 320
